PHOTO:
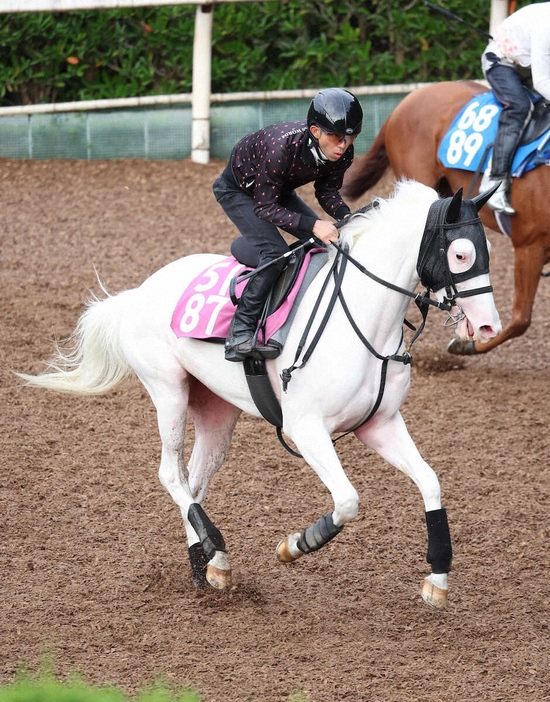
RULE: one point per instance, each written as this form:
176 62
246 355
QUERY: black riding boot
508 137
241 341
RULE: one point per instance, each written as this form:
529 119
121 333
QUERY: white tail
92 362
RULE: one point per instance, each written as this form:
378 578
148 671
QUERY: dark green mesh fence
159 132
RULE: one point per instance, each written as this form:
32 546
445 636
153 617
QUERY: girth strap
264 397
262 391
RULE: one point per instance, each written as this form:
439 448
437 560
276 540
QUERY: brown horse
408 142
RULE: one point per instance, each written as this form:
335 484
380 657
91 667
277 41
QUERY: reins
338 276
422 300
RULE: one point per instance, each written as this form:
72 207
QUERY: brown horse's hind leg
528 265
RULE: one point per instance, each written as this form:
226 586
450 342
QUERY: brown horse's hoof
218 571
218 578
461 347
434 596
287 550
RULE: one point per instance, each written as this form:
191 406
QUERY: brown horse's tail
369 169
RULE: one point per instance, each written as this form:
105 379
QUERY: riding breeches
509 90
260 241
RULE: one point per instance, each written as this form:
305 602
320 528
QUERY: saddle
206 307
469 139
539 122
284 283
254 369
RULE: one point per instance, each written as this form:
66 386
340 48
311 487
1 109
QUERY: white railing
115 103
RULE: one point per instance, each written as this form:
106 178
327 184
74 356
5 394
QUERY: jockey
518 55
257 192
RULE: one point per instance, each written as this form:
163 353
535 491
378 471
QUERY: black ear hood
449 219
482 198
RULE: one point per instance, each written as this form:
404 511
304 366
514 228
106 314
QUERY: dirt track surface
93 557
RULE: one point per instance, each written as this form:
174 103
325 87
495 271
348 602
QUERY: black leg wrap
440 550
318 534
211 538
198 561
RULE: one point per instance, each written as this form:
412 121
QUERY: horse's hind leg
391 440
170 388
214 421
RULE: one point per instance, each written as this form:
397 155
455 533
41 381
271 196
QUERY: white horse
338 390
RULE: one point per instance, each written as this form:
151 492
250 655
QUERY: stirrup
499 202
250 348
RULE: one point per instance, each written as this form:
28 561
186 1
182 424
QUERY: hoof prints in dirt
109 593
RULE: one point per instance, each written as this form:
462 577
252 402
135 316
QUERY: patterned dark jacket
278 159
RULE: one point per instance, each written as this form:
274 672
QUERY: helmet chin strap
315 149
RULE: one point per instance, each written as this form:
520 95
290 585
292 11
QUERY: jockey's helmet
336 110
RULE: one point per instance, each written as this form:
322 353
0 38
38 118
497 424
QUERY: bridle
433 266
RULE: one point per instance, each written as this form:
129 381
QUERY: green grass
46 688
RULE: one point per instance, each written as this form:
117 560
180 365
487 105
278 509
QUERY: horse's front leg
391 440
315 445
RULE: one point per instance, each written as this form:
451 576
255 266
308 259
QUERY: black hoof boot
198 561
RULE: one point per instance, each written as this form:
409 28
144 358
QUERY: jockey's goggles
339 138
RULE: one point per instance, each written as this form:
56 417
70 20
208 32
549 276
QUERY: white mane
410 201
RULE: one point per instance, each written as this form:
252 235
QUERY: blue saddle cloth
468 143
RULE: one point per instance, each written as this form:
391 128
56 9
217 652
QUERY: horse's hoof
218 571
434 596
461 347
218 578
287 551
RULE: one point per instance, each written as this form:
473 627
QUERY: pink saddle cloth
205 310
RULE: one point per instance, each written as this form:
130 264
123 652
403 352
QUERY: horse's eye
460 257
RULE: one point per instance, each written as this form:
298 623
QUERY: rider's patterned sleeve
277 160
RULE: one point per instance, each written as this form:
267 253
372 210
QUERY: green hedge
265 45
